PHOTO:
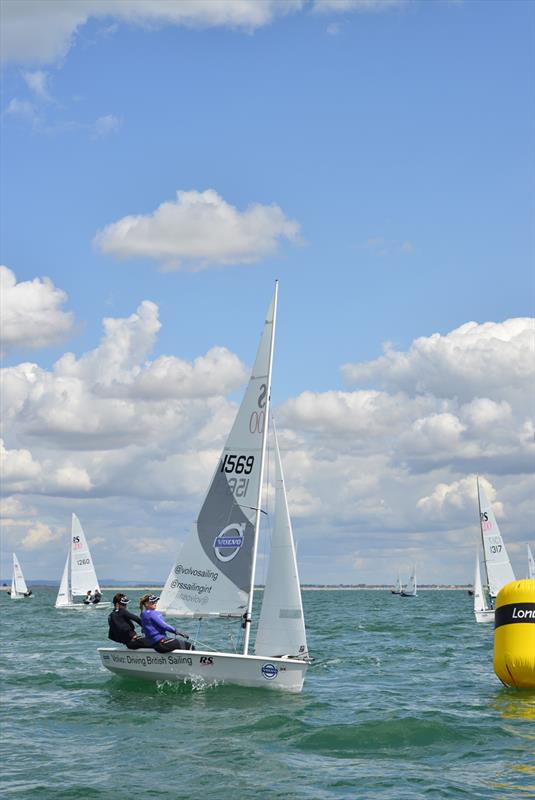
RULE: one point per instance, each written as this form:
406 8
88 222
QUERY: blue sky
377 158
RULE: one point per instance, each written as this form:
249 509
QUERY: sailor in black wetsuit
121 623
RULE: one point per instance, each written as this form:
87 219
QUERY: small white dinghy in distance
19 589
79 576
397 586
411 590
215 570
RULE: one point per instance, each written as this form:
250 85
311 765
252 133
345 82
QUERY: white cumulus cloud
383 473
363 6
39 536
493 359
199 229
114 396
43 31
31 314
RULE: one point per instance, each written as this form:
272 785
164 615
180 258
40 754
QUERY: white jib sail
479 596
64 597
18 584
212 575
497 564
531 564
281 627
83 575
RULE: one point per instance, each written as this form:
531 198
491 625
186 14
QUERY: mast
259 497
481 530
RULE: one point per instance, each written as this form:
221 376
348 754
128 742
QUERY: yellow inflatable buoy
514 634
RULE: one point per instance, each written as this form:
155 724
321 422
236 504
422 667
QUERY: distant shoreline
304 587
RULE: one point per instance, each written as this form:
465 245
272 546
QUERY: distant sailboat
531 564
498 568
18 584
411 588
397 586
79 577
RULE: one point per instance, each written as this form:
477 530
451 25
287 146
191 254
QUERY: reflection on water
516 704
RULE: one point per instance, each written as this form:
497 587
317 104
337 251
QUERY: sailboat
79 576
531 564
397 586
482 612
214 574
498 568
411 588
18 584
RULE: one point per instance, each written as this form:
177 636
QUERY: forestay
214 571
498 566
281 627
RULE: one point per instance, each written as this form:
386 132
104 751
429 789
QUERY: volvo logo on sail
228 543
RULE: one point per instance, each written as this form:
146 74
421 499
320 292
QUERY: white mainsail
397 586
531 564
497 564
83 575
214 572
18 584
281 627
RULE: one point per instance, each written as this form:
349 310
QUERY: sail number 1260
237 464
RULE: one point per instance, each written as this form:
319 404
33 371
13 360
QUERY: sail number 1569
237 464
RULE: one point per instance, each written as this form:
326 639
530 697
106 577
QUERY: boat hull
206 667
487 615
85 605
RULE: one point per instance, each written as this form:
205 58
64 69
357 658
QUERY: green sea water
401 702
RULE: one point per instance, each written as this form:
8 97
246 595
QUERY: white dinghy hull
484 615
206 667
70 606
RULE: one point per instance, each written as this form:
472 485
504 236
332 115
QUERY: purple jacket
154 626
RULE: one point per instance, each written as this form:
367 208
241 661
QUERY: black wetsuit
122 629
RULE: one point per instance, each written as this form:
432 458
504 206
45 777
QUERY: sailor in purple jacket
155 627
